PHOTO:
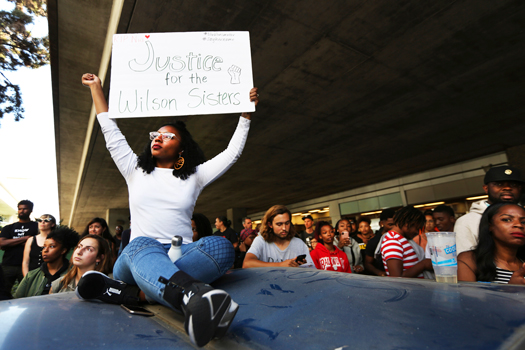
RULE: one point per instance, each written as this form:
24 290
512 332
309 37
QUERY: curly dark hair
317 233
203 225
26 202
409 216
65 236
363 219
486 249
193 155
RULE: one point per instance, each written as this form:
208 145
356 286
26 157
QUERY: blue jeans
144 260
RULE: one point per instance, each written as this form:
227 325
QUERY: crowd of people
45 258
165 180
41 257
490 238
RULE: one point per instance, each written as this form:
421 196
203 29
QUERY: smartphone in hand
300 258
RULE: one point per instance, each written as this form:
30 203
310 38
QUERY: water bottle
175 251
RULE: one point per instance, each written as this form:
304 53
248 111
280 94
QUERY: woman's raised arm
116 143
95 85
218 165
254 97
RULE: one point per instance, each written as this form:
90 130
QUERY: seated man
276 244
247 231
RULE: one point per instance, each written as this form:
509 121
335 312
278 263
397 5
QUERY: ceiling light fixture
372 212
477 197
428 204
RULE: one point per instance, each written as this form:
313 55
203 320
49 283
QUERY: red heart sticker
147 36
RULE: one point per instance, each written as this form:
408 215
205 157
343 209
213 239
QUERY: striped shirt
502 276
395 246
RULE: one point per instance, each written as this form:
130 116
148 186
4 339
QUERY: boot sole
100 289
218 327
226 320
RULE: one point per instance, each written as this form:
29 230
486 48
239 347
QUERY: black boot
96 285
208 312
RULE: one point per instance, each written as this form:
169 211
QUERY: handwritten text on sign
164 74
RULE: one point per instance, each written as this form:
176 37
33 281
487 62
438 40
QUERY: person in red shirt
327 256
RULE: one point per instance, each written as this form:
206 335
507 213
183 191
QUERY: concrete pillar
116 217
403 196
235 215
335 213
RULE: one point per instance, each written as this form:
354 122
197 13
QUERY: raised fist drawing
235 74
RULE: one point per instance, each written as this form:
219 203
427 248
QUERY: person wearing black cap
502 184
308 234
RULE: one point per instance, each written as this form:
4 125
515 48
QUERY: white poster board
167 74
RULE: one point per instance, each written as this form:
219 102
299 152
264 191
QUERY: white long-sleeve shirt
161 204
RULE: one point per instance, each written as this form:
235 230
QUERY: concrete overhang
352 93
8 205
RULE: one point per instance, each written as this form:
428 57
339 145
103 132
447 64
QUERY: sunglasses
44 220
164 135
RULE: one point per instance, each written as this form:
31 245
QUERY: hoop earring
180 163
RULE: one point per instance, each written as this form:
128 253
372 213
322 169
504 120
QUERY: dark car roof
287 308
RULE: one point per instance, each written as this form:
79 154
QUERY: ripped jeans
144 260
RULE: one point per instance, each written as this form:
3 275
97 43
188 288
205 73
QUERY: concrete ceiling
352 93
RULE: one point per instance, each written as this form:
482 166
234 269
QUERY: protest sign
166 74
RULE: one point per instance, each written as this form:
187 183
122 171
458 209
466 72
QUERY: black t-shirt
50 278
370 251
304 237
229 234
14 255
124 238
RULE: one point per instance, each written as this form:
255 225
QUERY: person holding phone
326 255
276 244
348 245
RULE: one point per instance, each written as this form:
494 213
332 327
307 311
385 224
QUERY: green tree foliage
19 48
